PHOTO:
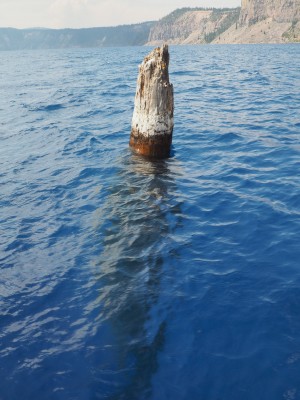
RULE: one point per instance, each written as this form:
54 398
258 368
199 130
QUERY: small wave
228 137
50 107
46 108
63 231
89 172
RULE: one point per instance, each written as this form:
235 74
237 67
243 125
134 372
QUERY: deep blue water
123 278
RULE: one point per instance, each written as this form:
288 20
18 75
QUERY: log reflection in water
142 210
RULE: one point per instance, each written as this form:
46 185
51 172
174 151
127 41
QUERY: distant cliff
265 21
257 21
281 11
192 25
25 39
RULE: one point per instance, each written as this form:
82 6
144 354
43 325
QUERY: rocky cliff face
281 11
265 21
258 21
192 26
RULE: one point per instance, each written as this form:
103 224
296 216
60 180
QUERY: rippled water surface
123 278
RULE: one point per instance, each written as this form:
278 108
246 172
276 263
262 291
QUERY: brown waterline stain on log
158 146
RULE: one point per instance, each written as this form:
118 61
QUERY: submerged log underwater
153 116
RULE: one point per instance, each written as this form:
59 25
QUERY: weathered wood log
152 121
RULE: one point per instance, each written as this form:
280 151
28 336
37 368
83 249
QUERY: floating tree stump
152 121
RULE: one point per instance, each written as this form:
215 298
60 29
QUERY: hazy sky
87 13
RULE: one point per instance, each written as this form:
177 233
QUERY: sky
92 13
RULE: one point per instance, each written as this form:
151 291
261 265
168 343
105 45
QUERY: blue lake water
123 278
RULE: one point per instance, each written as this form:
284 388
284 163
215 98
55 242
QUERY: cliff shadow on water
139 217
